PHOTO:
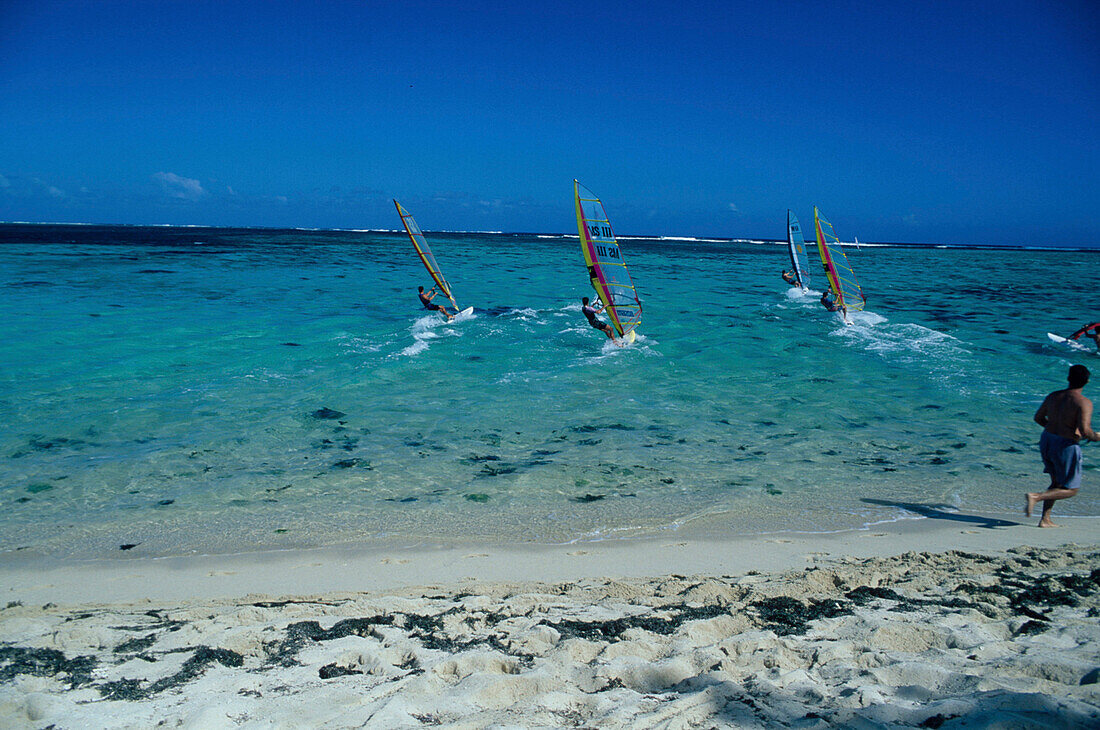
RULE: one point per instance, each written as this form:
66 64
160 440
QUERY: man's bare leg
1048 498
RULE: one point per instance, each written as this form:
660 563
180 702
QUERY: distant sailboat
845 287
606 268
796 247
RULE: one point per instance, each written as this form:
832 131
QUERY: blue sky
930 122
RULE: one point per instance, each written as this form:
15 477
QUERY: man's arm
1084 424
1041 414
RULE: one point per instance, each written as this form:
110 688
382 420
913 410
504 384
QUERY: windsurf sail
606 268
842 280
425 253
796 247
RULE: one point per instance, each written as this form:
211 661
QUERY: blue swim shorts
1061 459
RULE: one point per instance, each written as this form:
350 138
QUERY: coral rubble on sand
923 640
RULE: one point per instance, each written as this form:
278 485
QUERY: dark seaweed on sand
16 660
204 656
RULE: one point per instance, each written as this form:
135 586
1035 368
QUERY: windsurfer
590 313
1094 335
1065 416
831 305
788 276
426 300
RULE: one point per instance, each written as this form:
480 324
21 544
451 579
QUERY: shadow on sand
938 511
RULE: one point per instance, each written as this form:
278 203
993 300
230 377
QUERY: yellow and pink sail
606 268
425 253
846 290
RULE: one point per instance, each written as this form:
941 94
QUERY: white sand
928 623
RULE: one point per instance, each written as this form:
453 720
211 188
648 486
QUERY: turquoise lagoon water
167 387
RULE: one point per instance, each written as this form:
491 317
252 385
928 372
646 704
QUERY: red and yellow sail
842 280
606 268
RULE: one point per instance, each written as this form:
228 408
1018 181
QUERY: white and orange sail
425 253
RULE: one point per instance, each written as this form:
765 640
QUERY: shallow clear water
161 387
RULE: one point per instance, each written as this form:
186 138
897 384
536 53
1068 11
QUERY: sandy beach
963 621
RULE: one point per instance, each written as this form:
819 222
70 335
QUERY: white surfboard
1065 341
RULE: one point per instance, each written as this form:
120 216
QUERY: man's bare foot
1047 523
1032 498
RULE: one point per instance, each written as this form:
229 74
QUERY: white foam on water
610 347
523 313
415 349
423 333
908 343
799 294
867 318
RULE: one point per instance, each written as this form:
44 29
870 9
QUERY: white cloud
175 186
734 208
50 189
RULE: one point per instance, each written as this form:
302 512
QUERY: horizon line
545 234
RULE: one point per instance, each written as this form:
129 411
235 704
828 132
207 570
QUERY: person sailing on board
788 276
590 313
1092 331
426 300
831 305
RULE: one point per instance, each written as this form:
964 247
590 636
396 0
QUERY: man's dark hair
1078 376
584 300
420 288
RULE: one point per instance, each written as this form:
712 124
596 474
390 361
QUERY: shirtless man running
1066 418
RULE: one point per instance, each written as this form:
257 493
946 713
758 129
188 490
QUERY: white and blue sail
796 247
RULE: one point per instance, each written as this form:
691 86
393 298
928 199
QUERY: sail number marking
607 252
600 231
